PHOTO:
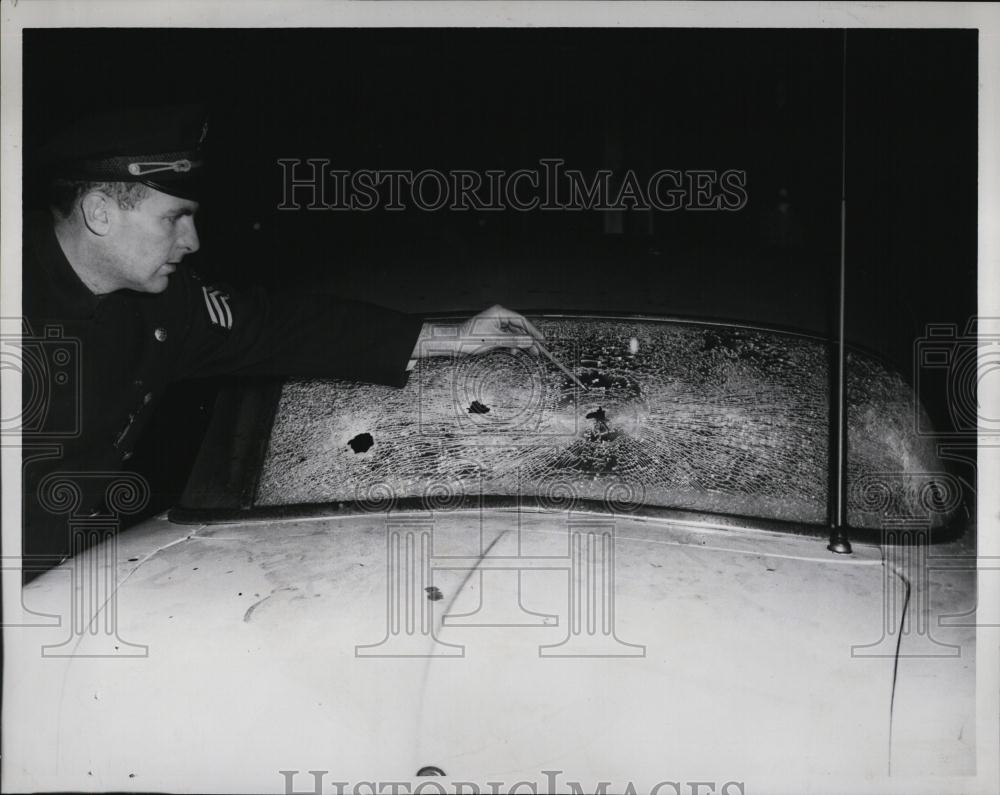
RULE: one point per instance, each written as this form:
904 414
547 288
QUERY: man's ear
97 212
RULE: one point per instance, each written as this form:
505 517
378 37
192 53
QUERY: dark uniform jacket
94 366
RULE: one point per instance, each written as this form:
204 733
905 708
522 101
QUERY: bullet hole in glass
478 408
434 594
602 431
361 443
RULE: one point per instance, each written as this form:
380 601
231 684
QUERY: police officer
115 316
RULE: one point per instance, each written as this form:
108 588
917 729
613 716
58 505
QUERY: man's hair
65 193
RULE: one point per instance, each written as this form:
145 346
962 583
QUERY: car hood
491 644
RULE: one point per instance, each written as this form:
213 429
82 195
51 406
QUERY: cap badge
141 169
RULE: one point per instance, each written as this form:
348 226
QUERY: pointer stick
561 366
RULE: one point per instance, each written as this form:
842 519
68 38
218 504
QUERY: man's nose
189 237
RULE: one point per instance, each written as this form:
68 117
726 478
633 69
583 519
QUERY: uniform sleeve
293 334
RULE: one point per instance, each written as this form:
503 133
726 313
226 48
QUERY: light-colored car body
493 645
510 598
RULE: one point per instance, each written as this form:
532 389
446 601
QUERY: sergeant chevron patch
217 303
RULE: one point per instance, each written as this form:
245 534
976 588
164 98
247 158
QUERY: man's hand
495 327
498 327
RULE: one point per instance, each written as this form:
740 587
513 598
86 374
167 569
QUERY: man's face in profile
147 242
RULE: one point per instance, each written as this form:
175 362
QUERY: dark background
767 102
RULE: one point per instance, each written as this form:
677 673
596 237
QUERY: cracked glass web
716 418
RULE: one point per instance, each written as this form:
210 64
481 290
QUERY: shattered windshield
723 419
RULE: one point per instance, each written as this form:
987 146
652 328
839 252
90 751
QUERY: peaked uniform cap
160 147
